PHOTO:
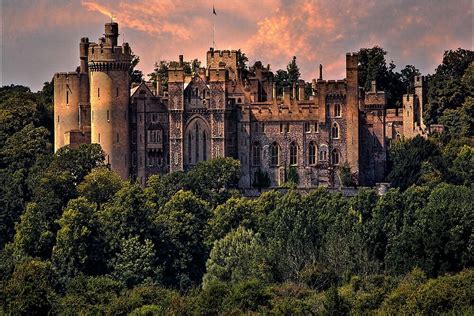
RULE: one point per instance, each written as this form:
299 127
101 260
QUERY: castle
220 111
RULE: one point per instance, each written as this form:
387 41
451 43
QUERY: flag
214 10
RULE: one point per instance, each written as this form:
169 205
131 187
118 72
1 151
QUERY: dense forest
77 239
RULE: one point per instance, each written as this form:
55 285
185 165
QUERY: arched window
312 153
204 145
335 157
196 139
323 153
337 110
256 154
335 131
190 137
293 154
275 153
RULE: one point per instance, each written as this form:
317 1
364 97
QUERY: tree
408 75
446 88
100 185
293 72
135 263
293 176
281 80
160 73
463 166
79 244
160 188
30 290
406 158
240 255
136 76
261 180
182 222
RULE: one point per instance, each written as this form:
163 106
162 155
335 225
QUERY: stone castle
218 112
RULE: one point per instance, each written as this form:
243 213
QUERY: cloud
273 31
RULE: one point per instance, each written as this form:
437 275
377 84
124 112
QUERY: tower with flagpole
213 26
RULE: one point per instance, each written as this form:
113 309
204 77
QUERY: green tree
183 251
160 188
100 185
79 244
463 166
135 263
30 290
136 76
238 256
293 72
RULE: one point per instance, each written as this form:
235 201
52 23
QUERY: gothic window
134 137
307 127
256 154
189 147
316 130
204 145
108 116
312 153
323 153
116 92
335 131
293 154
275 152
337 110
335 156
134 158
67 97
196 139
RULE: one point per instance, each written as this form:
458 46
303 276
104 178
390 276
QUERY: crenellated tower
109 98
352 101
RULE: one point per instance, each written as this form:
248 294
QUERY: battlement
420 81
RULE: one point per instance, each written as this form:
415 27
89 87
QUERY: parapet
420 81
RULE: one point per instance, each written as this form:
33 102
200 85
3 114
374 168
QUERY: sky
41 37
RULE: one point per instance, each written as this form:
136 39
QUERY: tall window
275 153
197 140
335 131
337 110
189 147
307 127
335 157
323 153
204 145
293 154
256 154
312 153
67 97
316 130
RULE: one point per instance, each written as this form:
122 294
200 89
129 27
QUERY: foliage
100 185
136 76
238 256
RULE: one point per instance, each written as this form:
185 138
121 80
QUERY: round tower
109 98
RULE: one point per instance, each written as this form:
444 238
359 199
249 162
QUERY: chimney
320 72
286 95
374 86
181 61
301 90
294 90
274 94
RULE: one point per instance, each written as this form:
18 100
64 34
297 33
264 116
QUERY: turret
109 98
111 33
83 51
352 106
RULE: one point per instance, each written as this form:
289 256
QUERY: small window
256 154
281 127
262 127
312 153
108 116
116 92
98 92
335 157
293 154
275 153
337 110
287 128
316 128
323 153
98 136
118 138
335 131
134 158
307 127
67 97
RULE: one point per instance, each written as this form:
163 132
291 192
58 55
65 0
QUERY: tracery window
275 154
256 154
335 131
312 153
293 154
335 157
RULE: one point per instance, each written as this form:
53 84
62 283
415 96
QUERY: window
262 127
316 129
154 117
335 131
116 92
323 153
204 145
335 157
312 154
275 153
98 137
98 92
67 97
190 137
281 127
287 129
134 137
293 154
108 116
307 127
337 110
256 154
117 138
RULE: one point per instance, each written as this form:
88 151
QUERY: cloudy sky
41 37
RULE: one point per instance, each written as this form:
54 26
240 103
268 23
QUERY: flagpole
213 27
